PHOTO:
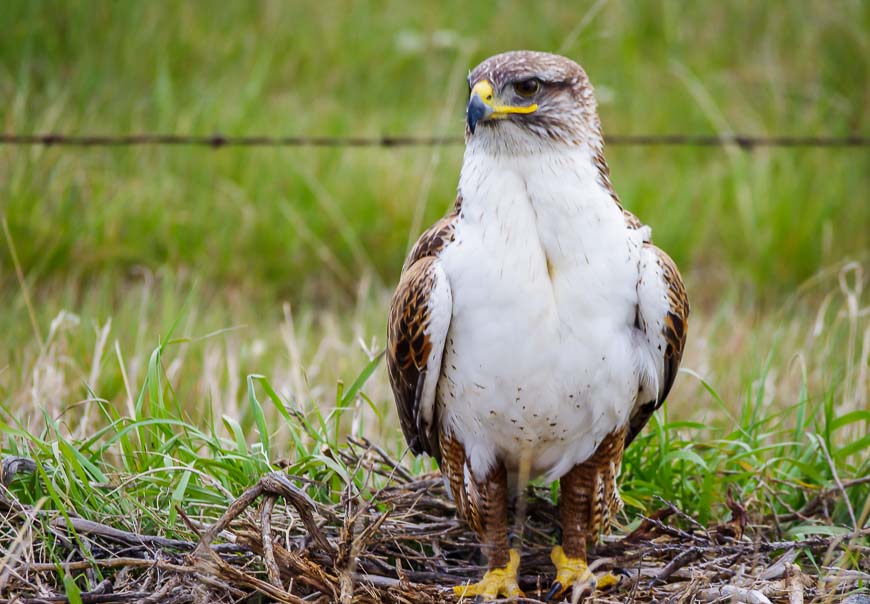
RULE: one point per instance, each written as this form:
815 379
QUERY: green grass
265 220
158 283
139 470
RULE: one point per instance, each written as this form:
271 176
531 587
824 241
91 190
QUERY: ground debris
399 541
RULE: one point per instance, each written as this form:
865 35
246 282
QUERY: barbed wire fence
218 141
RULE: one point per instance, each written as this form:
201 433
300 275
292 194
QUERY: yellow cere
484 90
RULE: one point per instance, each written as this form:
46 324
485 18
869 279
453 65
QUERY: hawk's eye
527 88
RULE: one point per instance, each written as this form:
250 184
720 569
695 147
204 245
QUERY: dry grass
395 538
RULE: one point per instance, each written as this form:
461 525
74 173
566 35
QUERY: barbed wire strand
218 141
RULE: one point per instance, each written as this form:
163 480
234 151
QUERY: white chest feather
538 366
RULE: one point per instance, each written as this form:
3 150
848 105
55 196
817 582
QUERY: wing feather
663 314
419 320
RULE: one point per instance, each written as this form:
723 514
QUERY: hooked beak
482 106
477 110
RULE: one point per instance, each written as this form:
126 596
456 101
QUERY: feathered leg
589 499
487 510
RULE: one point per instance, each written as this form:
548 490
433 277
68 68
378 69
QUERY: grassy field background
141 288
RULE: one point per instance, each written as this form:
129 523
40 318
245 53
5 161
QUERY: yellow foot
497 582
572 572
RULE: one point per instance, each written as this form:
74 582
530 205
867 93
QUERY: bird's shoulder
435 238
634 223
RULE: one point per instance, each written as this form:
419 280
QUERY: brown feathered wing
419 320
673 326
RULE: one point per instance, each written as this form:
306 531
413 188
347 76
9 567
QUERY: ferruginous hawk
535 328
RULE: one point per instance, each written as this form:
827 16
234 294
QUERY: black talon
556 588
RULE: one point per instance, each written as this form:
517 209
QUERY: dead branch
395 538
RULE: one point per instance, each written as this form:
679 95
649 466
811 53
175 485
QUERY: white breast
538 366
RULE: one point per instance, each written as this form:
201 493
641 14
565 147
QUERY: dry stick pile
400 543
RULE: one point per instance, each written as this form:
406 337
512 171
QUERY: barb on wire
217 141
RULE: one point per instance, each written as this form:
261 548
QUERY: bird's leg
501 578
570 557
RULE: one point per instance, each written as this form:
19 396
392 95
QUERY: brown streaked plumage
453 468
409 344
409 351
676 323
481 503
590 498
433 240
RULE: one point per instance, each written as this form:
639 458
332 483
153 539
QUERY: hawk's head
531 99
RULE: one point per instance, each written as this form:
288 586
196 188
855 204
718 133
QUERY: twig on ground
268 547
732 593
397 539
794 585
